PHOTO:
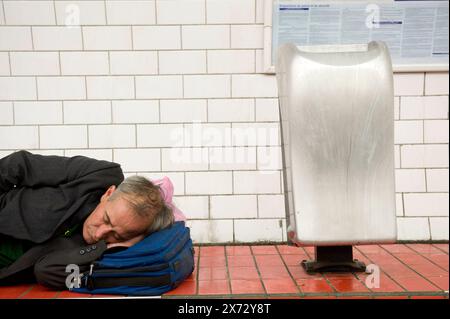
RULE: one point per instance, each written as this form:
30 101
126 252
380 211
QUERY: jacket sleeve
23 169
59 268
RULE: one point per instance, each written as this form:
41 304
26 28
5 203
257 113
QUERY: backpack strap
111 282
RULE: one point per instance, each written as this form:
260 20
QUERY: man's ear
108 193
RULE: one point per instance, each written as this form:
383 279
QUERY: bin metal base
333 259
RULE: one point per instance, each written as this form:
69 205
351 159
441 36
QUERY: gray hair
146 200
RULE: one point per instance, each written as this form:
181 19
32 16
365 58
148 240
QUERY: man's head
128 213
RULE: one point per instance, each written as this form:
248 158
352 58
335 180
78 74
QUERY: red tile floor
407 271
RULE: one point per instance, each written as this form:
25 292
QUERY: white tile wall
424 107
193 207
211 183
84 63
112 136
231 61
72 13
413 228
232 158
185 159
267 110
87 112
159 87
176 88
254 230
182 62
199 134
6 113
2 15
231 110
17 88
206 37
409 180
439 228
271 206
134 111
408 132
247 37
183 111
138 62
34 63
130 12
169 135
61 88
25 137
57 38
426 204
408 84
107 38
181 11
256 85
230 12
15 38
29 12
68 136
428 155
436 131
163 37
437 180
4 64
48 112
110 87
206 86
436 83
233 206
135 160
256 182
211 231
256 134
269 158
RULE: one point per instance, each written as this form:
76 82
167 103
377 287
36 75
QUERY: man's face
114 221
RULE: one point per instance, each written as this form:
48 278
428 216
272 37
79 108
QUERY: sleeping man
56 211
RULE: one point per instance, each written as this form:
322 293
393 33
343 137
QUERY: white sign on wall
416 32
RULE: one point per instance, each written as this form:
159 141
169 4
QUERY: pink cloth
166 186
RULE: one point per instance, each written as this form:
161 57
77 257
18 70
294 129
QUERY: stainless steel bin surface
337 120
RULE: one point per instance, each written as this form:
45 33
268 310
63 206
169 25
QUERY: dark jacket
41 197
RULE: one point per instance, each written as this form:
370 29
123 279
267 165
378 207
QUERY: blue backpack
155 265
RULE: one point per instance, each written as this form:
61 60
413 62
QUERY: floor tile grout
288 270
258 271
411 268
34 290
387 274
431 261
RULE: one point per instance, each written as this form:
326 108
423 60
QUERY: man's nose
102 232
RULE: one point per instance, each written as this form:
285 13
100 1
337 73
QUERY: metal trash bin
337 128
